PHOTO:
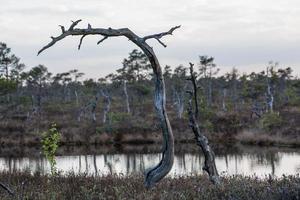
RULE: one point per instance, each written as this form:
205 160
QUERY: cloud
237 33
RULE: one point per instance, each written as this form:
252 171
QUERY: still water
247 162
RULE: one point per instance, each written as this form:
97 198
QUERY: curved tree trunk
156 173
162 169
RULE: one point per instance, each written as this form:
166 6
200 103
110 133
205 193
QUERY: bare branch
90 31
161 42
62 28
80 41
74 24
104 38
105 33
160 35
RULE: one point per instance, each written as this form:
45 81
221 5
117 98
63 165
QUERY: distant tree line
130 87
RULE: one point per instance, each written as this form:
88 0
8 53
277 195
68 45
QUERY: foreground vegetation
37 186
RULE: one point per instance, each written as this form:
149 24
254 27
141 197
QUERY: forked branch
109 32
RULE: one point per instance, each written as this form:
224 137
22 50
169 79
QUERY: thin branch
7 189
161 42
104 38
160 35
74 24
62 28
91 31
80 42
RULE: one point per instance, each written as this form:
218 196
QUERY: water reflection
259 164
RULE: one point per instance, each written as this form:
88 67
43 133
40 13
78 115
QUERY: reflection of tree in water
181 161
108 164
95 165
79 163
135 163
265 159
86 165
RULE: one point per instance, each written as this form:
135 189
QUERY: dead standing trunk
195 88
201 139
178 97
224 90
126 96
156 173
107 106
269 96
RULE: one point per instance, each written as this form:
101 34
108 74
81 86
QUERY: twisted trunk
156 173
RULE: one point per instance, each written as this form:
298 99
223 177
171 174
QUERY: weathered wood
156 173
201 139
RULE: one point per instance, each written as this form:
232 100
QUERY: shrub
50 142
270 121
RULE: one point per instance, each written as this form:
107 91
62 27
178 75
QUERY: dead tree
269 95
126 96
90 106
201 139
156 173
224 91
193 79
178 97
106 109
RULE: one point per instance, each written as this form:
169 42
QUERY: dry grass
26 186
261 138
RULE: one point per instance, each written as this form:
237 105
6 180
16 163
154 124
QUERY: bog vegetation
118 108
27 186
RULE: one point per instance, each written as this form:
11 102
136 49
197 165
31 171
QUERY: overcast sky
245 34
